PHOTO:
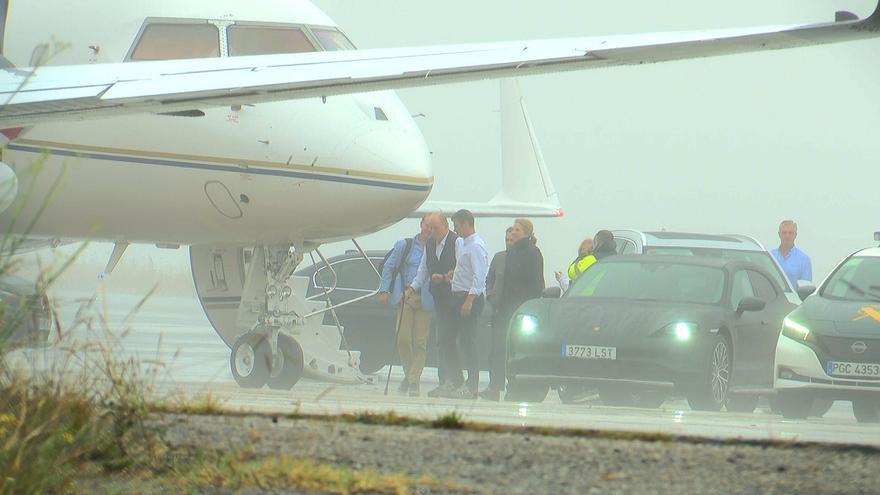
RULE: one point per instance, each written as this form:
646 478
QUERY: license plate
44 323
589 352
839 368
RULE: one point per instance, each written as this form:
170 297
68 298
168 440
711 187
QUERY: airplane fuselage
306 170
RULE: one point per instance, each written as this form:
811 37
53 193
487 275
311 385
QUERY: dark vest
441 291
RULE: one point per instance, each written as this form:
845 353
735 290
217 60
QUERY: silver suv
728 246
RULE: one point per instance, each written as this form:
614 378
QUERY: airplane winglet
526 187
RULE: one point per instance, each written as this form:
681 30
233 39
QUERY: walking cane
396 336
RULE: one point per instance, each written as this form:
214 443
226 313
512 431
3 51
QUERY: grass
203 404
240 469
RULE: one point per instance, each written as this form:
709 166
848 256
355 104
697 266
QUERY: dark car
829 348
369 326
640 328
26 316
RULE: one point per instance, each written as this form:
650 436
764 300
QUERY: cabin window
332 39
166 41
267 40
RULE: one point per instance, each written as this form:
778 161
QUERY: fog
731 144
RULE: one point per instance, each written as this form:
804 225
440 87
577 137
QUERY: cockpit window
266 40
165 41
332 39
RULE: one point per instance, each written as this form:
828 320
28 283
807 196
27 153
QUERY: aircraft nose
397 155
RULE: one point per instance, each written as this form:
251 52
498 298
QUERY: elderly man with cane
414 315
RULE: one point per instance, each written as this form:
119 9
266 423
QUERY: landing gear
287 364
250 360
260 309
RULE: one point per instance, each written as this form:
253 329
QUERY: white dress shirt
471 266
423 276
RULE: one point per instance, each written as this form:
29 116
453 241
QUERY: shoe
414 390
462 392
442 391
491 394
403 388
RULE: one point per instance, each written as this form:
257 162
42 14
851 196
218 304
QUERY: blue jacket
407 273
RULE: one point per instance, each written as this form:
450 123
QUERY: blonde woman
523 280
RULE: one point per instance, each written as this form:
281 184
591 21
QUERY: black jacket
523 275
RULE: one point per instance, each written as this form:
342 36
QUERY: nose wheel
250 360
287 365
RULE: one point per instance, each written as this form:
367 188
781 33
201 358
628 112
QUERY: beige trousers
412 337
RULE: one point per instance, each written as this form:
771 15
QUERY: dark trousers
462 332
498 350
442 320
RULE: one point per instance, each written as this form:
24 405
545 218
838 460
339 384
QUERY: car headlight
526 324
794 330
682 331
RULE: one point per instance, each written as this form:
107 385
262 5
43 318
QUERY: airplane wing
526 188
53 93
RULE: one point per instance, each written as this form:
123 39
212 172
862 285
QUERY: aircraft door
218 275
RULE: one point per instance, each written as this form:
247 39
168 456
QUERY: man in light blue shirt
416 308
795 263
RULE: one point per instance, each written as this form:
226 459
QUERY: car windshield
760 258
655 281
858 279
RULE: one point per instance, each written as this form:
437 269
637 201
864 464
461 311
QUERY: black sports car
829 348
642 327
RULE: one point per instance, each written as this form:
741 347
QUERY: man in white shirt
468 289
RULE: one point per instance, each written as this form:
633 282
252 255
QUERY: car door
746 329
778 307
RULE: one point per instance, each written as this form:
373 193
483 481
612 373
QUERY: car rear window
652 281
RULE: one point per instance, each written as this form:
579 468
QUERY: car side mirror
805 291
750 304
551 293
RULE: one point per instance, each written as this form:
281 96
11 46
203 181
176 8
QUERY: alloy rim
244 360
720 372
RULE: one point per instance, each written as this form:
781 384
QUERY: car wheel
573 394
710 392
742 403
866 410
370 362
525 392
820 407
794 404
626 397
250 360
287 364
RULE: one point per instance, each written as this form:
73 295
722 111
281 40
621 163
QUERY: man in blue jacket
416 310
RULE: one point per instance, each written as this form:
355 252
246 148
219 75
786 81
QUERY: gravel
527 463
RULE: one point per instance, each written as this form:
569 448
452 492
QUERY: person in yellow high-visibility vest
603 245
583 261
